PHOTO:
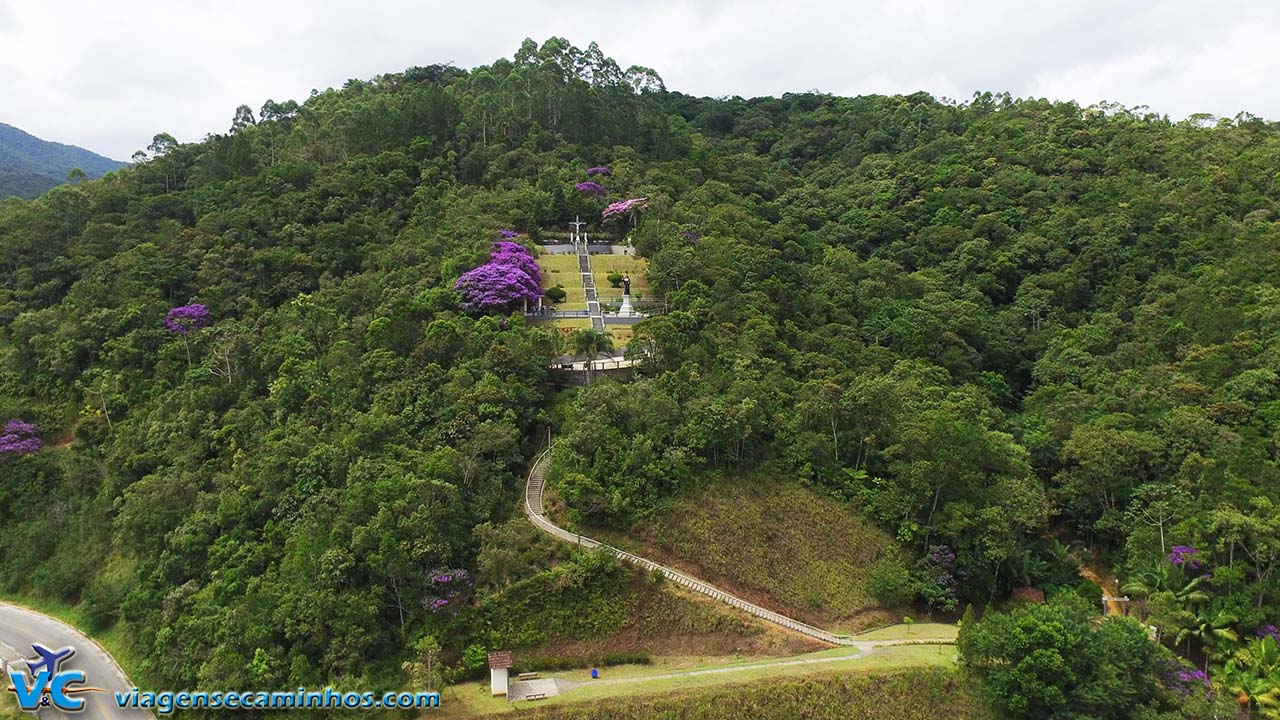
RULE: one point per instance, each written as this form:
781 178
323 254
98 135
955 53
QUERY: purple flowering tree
184 320
624 207
506 246
508 234
1184 681
936 576
591 188
20 438
1270 631
690 235
495 286
520 261
599 170
1184 556
448 590
515 254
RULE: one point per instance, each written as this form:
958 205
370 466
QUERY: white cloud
108 76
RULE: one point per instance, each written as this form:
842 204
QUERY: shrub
890 582
556 294
615 279
1090 591
475 661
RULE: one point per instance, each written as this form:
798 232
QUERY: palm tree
1253 675
1165 579
1211 626
591 343
1025 567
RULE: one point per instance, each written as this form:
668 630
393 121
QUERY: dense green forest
1015 333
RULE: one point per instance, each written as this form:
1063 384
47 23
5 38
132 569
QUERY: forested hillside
29 166
997 327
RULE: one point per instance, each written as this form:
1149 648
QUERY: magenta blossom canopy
1184 556
494 286
622 207
591 188
19 438
599 170
186 319
508 234
520 260
505 246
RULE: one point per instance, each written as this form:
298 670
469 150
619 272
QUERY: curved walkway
533 508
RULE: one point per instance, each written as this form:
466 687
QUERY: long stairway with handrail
533 508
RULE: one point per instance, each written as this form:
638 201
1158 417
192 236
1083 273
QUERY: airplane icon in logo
50 660
50 685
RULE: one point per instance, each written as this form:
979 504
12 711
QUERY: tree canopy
989 325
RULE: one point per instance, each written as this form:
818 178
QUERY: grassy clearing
912 682
778 544
916 631
564 327
621 335
637 267
563 270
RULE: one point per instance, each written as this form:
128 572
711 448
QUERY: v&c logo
49 685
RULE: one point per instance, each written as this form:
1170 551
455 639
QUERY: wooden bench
537 696
527 676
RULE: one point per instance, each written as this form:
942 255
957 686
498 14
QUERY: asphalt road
20 627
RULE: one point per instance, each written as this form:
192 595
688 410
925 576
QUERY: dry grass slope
624 610
779 544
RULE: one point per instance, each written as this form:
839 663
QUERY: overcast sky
109 75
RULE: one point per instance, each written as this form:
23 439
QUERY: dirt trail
1104 579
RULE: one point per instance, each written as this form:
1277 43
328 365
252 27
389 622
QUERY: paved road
19 627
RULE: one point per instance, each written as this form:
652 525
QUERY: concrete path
603 362
862 652
20 627
567 248
538 689
864 649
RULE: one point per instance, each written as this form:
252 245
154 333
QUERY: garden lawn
621 335
563 270
638 267
873 677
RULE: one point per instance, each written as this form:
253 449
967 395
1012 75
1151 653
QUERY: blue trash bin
595 673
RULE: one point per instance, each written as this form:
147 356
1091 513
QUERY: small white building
499 664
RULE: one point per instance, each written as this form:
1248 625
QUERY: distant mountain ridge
30 166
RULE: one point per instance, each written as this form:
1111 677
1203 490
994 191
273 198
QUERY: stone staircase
589 289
